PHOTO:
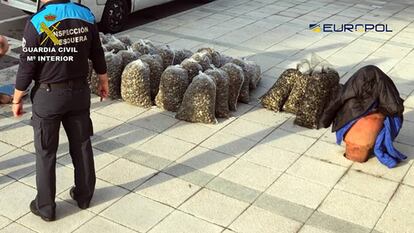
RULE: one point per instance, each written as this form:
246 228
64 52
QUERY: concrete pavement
255 172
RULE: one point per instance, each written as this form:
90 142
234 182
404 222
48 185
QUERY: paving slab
123 139
100 224
299 191
179 222
326 174
206 160
247 129
17 135
189 132
17 164
233 190
171 148
121 111
368 186
398 215
286 140
258 220
167 189
229 144
126 174
16 207
274 158
214 207
15 227
250 175
352 208
5 148
143 212
4 222
329 152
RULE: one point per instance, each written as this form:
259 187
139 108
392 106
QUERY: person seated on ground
6 94
4 46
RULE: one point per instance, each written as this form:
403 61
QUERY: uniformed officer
58 40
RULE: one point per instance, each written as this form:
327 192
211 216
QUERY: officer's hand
17 109
103 86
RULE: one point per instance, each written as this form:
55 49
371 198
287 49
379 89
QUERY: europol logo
349 27
315 27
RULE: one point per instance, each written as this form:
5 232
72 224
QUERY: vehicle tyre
114 16
204 1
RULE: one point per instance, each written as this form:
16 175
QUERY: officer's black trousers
51 107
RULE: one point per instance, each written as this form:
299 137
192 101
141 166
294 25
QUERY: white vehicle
111 14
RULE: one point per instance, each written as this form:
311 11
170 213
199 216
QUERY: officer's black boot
82 205
35 211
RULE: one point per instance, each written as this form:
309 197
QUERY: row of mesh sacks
199 87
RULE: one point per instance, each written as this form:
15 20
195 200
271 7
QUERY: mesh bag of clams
236 79
156 69
181 55
144 47
166 54
199 101
255 73
203 58
173 84
90 71
114 70
275 98
105 38
125 39
127 56
224 59
192 67
114 45
214 56
319 87
244 95
296 96
135 86
222 92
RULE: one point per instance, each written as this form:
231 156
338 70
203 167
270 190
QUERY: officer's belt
65 84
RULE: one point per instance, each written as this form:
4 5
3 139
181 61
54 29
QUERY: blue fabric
384 149
7 89
62 11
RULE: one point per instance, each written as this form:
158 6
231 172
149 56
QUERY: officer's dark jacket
355 98
59 27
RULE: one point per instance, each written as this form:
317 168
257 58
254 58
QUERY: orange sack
360 138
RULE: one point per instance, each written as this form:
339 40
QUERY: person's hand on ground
103 86
4 46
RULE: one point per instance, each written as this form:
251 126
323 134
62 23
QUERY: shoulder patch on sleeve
54 13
